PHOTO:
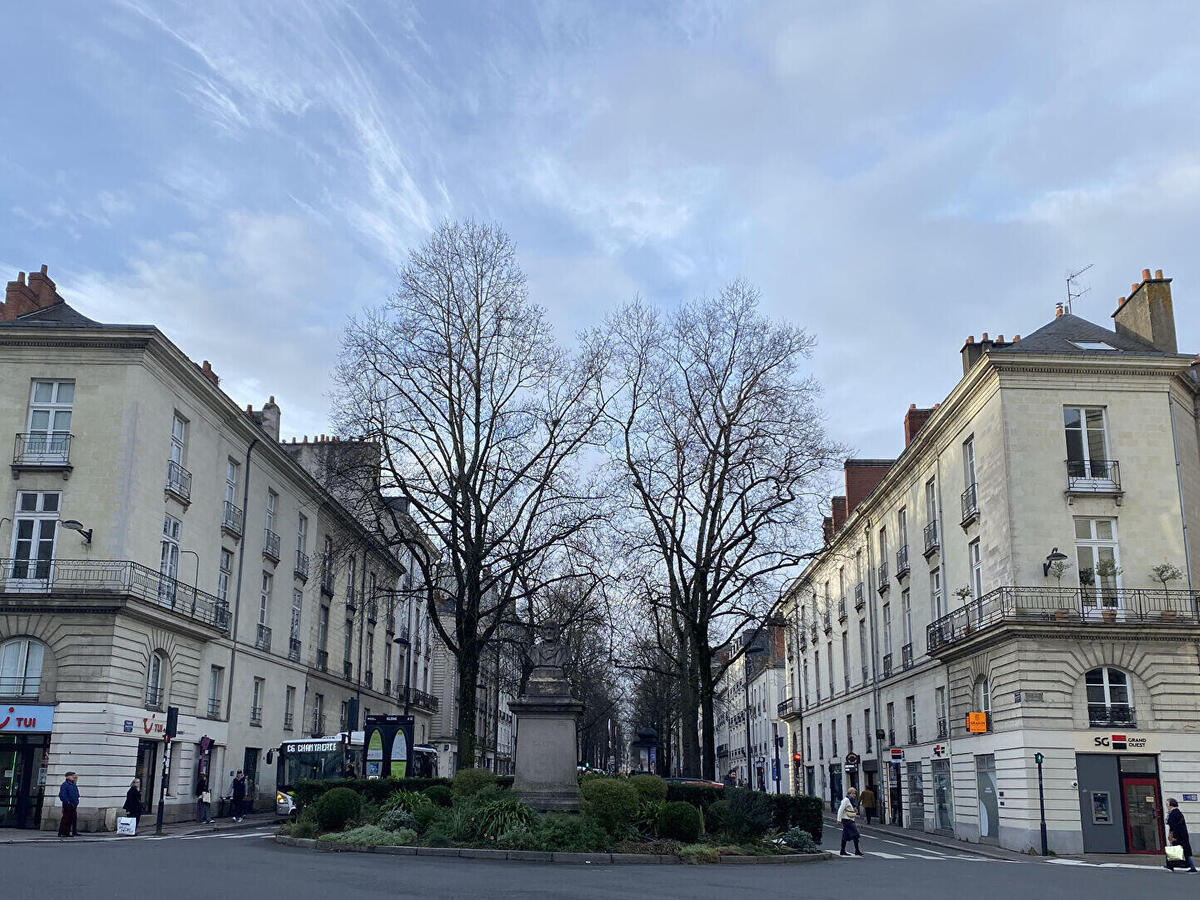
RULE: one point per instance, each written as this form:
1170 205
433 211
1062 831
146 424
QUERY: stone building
163 550
760 654
1019 581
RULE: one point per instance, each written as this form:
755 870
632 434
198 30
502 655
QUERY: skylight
1093 345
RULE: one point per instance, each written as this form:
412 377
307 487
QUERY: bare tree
723 457
480 417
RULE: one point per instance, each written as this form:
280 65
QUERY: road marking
885 855
923 856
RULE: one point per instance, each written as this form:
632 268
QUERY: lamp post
750 650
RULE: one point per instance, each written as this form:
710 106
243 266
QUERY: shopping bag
206 796
127 825
1175 853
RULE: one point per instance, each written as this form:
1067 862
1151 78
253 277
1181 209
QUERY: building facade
163 550
750 737
1018 585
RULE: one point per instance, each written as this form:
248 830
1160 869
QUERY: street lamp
747 653
1054 557
76 525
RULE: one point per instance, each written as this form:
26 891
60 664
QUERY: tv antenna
1074 292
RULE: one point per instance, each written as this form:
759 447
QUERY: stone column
547 777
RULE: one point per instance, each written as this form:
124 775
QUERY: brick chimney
20 298
839 513
915 419
270 419
861 477
207 371
827 528
1147 313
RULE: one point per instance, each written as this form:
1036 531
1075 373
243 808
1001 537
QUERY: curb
96 837
545 856
922 838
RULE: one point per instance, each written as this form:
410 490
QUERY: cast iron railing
1093 476
270 544
931 538
42 449
302 565
902 561
231 519
179 480
970 503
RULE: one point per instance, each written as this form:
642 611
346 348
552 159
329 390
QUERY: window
846 662
168 558
349 643
323 628
1087 442
224 573
344 716
882 547
805 694
911 706
1108 697
154 681
302 534
297 606
983 694
264 599
867 727
318 724
1096 555
231 482
887 629
817 671
351 574
891 724
902 526
808 739
906 612
35 526
930 501
849 733
272 502
256 702
21 668
939 704
829 662
49 424
976 569
969 461
178 439
936 603
216 680
289 708
862 648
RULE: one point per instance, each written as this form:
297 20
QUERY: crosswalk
898 850
217 836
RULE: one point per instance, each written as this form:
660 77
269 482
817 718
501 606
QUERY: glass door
146 769
943 795
1143 814
989 806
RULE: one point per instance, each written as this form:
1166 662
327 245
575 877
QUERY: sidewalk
145 830
876 829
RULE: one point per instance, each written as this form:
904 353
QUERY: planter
1169 615
1062 615
1109 615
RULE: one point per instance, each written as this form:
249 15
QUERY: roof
1061 334
57 315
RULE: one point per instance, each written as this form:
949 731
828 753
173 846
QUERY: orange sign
977 722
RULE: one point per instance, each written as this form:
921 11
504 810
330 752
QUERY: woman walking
203 801
845 815
133 800
1177 833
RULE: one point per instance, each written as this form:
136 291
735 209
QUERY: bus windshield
310 760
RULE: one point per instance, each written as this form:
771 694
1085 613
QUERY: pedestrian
238 795
845 815
133 800
1177 834
867 801
68 795
203 801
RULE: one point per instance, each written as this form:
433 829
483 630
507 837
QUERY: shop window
20 668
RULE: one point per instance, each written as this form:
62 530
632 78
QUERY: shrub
372 836
518 839
680 821
656 847
396 819
406 800
649 787
469 782
439 794
462 824
701 795
799 839
714 816
336 808
368 814
377 790
301 829
746 814
613 803
437 836
567 833
646 820
503 815
699 853
797 811
428 814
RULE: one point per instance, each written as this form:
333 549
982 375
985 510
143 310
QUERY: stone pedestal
547 777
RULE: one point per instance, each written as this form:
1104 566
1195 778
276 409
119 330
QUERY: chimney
270 419
207 371
861 477
20 298
1147 313
839 513
915 419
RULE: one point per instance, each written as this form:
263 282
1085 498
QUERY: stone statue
549 652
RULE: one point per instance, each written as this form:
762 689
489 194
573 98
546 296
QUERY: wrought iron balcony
154 698
827 621
262 639
402 636
256 716
887 665
813 632
302 564
943 729
784 708
327 577
323 660
294 649
214 708
82 581
270 545
289 721
372 610
842 609
912 734
42 450
1093 606
1093 476
347 669
419 698
318 724
231 520
906 656
931 538
884 583
902 561
1119 714
390 622
351 598
179 481
866 676
860 596
970 504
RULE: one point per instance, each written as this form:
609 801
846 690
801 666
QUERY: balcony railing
289 721
351 598
887 665
369 680
931 538
179 481
970 503
884 583
42 450
419 698
214 708
20 687
256 716
842 610
302 564
902 561
347 669
912 734
323 660
372 610
866 676
231 520
262 639
402 636
1093 476
1119 714
318 724
270 544
827 621
83 580
943 731
1092 606
390 623
294 649
860 596
154 698
906 656
784 708
387 686
327 577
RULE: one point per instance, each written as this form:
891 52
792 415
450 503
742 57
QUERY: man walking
867 800
238 795
68 795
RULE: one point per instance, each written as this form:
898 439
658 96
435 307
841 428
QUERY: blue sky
894 176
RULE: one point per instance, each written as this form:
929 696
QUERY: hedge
788 810
699 795
375 790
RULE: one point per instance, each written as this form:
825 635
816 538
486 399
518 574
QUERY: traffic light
172 721
796 758
1037 758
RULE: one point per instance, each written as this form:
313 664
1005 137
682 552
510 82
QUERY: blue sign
26 719
128 727
774 770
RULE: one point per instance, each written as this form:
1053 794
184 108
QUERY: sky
893 176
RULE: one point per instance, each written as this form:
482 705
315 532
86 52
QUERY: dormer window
1093 345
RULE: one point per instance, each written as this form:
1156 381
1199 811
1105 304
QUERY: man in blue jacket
69 795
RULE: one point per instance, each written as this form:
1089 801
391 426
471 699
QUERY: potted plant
964 594
1058 569
1107 570
1166 573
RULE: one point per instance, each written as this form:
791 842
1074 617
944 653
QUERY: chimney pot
999 339
249 408
970 338
985 337
1133 288
271 399
1016 337
1145 274
912 406
20 278
44 268
1158 274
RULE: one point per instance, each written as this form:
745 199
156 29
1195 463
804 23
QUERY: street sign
851 762
939 750
897 754
977 722
774 770
128 726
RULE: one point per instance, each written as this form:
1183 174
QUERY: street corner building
1019 582
164 549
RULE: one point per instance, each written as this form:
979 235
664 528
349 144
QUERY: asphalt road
251 866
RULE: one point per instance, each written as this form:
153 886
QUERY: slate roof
1057 337
63 315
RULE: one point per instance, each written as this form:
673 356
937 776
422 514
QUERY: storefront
1120 795
24 758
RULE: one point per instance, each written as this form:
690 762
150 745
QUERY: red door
1143 814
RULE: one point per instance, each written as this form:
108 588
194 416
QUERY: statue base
547 776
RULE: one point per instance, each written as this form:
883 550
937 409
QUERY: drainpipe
882 797
362 626
237 596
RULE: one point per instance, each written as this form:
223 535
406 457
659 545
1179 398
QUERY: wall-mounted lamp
76 525
1054 557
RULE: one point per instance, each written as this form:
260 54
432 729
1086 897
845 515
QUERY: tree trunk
689 705
468 679
707 725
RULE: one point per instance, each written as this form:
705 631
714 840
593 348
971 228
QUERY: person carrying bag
845 816
1179 850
